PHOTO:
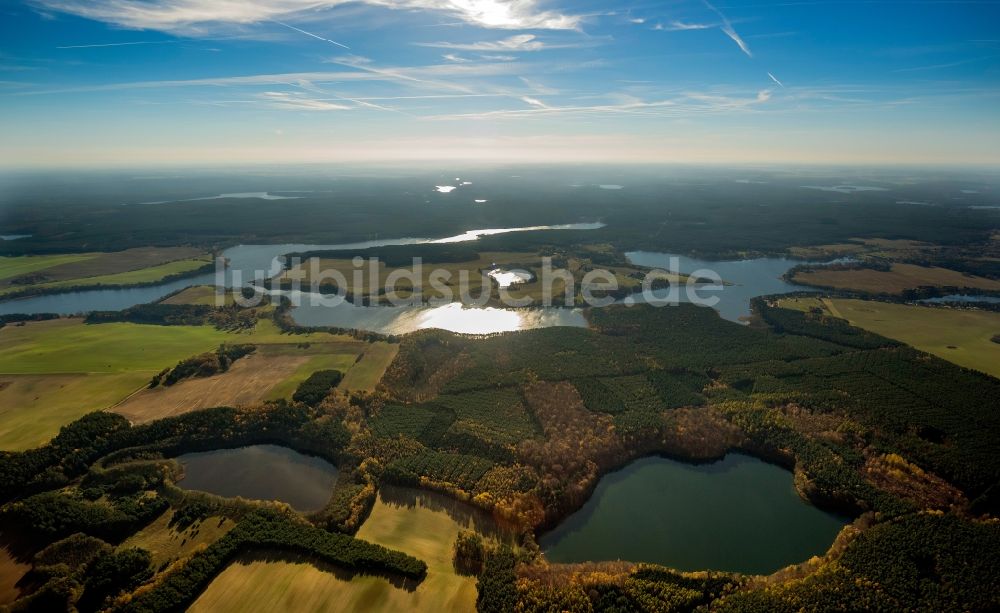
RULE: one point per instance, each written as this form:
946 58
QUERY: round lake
261 472
738 514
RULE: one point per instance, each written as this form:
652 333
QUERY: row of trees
21 318
203 365
160 314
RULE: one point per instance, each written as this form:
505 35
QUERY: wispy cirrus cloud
535 102
425 77
198 17
518 42
537 87
295 102
681 105
680 26
499 58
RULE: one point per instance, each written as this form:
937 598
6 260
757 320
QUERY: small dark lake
738 514
261 472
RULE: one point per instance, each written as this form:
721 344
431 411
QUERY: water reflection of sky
452 317
506 278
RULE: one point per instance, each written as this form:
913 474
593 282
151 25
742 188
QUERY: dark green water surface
738 514
261 472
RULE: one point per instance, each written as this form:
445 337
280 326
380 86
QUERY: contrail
332 42
138 42
727 28
775 79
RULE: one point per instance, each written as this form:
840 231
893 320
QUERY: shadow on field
339 572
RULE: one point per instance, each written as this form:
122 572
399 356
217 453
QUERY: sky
155 82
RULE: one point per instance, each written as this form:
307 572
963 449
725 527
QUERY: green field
329 361
143 275
961 336
421 530
427 533
367 373
132 277
52 372
69 346
11 267
804 304
34 407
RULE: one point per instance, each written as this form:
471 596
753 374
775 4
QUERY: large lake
261 472
745 279
738 514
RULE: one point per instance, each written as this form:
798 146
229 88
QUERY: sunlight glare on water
456 318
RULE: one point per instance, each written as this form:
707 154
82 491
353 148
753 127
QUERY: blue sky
121 82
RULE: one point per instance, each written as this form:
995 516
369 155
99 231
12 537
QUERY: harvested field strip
248 381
